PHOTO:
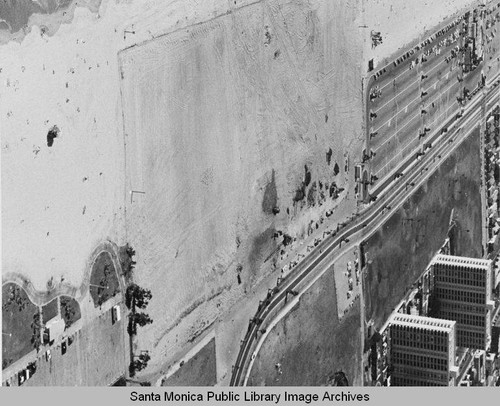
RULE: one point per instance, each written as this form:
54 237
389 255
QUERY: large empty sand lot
216 116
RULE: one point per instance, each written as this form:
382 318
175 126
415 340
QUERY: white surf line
428 104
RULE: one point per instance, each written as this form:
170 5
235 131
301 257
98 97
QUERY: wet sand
17 17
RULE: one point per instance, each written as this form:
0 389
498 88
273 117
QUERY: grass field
17 316
405 244
70 310
310 343
50 310
104 282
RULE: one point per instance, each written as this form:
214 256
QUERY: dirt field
198 371
403 247
97 356
310 343
345 278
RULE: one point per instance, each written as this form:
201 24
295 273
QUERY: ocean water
15 14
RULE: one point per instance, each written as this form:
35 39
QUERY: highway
352 233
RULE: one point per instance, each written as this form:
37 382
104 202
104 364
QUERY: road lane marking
407 144
429 104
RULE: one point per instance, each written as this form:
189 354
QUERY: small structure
115 314
54 330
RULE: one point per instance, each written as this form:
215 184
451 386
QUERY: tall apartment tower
421 351
462 289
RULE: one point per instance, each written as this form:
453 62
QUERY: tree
36 326
137 297
127 263
339 379
131 327
139 364
14 296
68 311
141 319
142 361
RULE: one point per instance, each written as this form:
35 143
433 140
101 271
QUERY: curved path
41 298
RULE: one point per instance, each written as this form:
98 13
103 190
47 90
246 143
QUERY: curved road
366 223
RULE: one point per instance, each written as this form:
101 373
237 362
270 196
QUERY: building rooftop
463 261
427 323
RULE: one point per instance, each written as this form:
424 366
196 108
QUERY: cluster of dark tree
126 260
138 364
14 297
68 310
339 378
36 327
137 298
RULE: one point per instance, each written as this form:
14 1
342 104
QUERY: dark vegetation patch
49 311
311 195
70 310
51 135
18 313
104 282
300 192
262 246
309 345
198 371
270 200
329 154
127 263
402 248
307 176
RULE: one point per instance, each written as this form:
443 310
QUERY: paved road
359 229
398 122
419 91
415 92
